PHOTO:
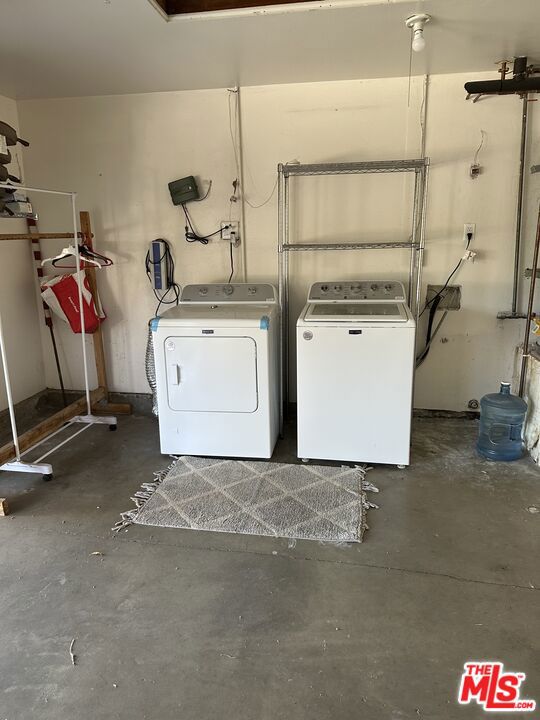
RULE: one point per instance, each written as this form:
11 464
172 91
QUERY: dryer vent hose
150 367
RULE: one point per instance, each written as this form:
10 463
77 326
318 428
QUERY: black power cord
438 294
433 304
171 284
232 262
432 310
192 235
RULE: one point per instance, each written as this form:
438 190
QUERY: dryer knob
228 289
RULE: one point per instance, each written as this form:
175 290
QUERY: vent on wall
174 8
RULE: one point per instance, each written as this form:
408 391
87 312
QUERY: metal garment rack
415 243
45 469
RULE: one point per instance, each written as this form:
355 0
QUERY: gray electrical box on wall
450 296
184 190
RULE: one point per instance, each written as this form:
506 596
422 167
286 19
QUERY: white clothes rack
88 419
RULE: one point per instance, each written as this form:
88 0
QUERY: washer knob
251 290
228 289
203 291
374 287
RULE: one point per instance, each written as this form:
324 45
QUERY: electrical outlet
469 228
450 296
230 231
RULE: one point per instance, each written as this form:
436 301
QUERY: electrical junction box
158 265
450 296
184 190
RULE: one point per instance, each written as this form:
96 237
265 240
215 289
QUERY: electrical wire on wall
433 303
235 140
431 334
231 256
171 286
475 168
191 234
462 259
207 193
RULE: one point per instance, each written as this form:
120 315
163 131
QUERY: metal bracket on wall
415 243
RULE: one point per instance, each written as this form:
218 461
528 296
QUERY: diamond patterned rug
254 497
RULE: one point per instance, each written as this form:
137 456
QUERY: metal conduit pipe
519 211
525 355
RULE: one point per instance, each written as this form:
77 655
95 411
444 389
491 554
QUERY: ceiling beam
181 7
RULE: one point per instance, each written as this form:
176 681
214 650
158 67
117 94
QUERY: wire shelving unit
415 243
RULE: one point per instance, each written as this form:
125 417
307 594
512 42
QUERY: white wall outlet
230 231
469 229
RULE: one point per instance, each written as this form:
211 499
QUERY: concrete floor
199 626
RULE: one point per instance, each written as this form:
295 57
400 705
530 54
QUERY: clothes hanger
66 253
85 255
91 254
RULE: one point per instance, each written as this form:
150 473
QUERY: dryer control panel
229 293
357 290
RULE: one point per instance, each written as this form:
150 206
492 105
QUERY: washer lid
356 312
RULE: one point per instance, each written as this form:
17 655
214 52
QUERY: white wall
18 303
119 153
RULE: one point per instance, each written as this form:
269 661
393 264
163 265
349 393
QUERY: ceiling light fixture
416 24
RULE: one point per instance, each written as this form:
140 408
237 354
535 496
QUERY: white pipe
8 392
81 305
32 189
423 119
240 149
56 447
48 437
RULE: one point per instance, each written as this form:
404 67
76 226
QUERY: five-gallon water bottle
501 425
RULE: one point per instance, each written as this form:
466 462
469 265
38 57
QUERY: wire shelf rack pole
286 228
422 240
414 239
280 294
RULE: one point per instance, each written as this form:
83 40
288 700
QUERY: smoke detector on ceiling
416 24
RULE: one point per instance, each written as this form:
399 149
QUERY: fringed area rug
254 497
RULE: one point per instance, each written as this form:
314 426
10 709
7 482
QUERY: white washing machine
355 366
217 359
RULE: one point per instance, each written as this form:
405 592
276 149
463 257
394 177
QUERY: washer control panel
357 290
229 293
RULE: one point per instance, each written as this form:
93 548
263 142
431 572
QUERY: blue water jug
502 416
